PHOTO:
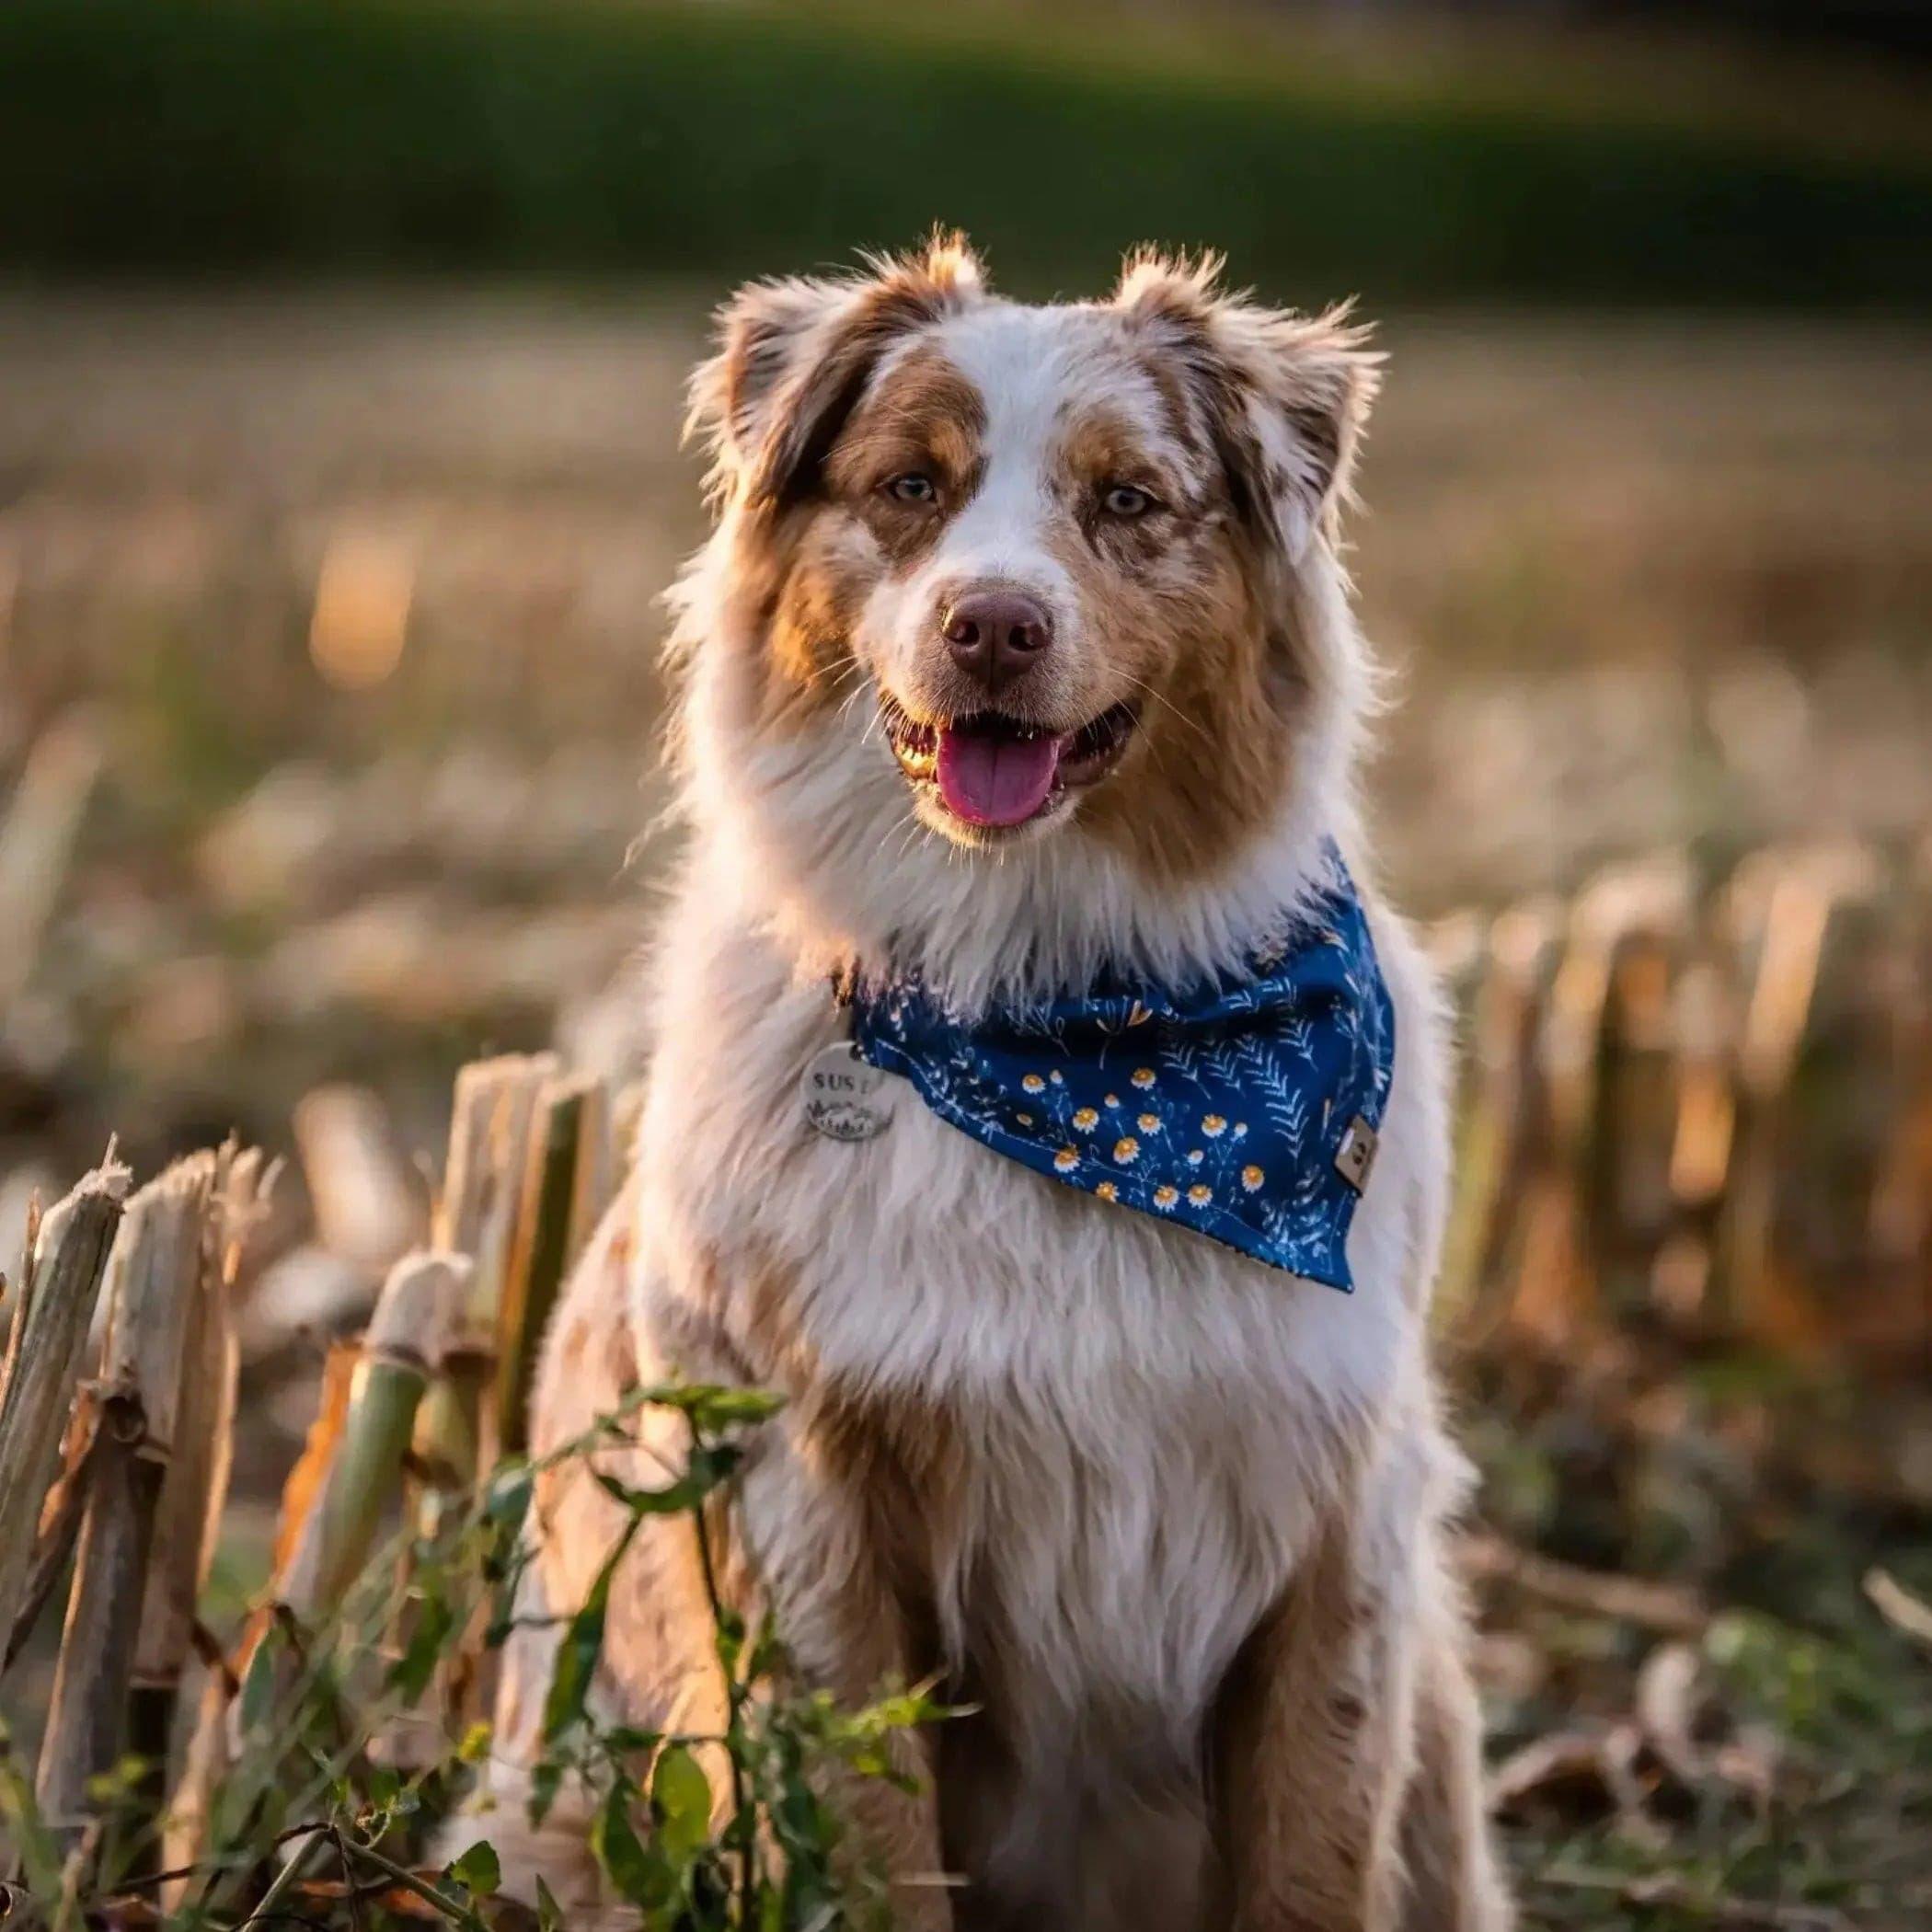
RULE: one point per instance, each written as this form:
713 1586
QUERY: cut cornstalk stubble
400 1352
195 1488
58 1294
152 1279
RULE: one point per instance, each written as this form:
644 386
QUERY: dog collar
1245 1108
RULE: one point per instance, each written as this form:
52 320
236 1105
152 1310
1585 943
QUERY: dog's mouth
995 772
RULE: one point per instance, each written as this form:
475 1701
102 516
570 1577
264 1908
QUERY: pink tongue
995 781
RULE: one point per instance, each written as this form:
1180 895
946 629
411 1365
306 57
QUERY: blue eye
1125 500
914 487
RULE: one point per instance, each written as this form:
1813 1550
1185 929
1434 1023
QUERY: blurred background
341 353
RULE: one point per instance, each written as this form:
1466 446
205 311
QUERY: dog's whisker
1192 724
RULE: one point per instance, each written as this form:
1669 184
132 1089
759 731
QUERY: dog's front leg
658 1663
1450 1869
1349 1790
821 1562
812 1561
1314 1747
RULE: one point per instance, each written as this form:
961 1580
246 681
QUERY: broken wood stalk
364 1476
555 1218
69 1255
152 1279
195 1488
457 1434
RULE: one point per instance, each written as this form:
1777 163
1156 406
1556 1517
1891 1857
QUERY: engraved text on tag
846 1099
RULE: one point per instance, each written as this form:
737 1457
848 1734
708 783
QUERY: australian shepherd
1021 655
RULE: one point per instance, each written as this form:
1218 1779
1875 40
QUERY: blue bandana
1245 1108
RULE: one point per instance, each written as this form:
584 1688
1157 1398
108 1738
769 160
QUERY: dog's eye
914 486
1125 500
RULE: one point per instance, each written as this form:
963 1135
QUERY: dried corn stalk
345 1484
457 1432
58 1291
195 1487
566 1188
37 843
368 1208
364 1474
152 1277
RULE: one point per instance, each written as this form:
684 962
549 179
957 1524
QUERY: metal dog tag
846 1099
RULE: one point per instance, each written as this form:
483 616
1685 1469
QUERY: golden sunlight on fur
1022 648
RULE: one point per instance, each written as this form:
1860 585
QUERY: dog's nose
995 634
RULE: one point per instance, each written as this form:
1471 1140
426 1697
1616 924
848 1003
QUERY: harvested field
327 701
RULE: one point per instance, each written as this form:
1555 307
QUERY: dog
1020 661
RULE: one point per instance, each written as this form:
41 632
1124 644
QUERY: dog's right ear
792 361
1285 395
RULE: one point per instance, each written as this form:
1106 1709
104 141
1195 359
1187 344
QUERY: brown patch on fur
856 1620
793 352
811 404
923 415
814 407
1243 361
887 1473
793 429
754 1297
903 1461
1100 447
1311 1758
801 580
809 643
1211 756
1347 1771
1447 1854
898 1459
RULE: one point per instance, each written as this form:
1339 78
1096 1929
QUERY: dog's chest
921 1260
1130 1427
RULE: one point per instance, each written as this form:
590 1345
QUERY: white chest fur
1149 1422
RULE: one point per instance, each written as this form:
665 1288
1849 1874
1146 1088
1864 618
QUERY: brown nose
995 634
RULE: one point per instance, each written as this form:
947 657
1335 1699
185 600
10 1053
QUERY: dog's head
1054 569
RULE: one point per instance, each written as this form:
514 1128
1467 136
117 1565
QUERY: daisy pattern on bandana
1243 1088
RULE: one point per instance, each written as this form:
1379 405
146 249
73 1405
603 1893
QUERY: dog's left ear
1284 396
793 357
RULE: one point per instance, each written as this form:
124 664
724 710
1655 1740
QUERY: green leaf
767 1656
506 1500
681 1796
634 1873
713 1406
581 1646
411 1672
545 1781
257 1691
549 1915
477 1870
685 1493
